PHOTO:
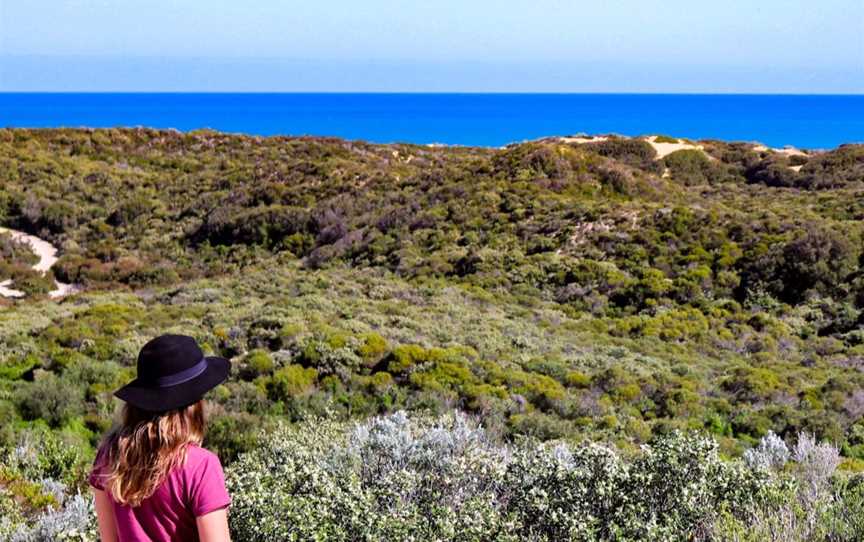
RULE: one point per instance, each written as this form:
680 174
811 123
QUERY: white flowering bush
386 479
562 494
679 483
395 478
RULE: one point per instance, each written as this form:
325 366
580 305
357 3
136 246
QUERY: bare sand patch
47 258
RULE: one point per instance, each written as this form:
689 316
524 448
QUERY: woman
151 479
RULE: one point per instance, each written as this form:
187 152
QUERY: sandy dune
665 149
582 139
47 258
788 151
662 149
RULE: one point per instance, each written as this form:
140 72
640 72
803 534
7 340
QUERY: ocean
805 121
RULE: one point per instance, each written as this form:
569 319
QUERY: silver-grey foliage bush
47 463
771 453
73 522
816 464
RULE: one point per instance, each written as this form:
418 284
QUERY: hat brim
152 399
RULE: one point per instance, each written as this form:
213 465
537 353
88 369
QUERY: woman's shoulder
199 457
205 481
200 466
101 467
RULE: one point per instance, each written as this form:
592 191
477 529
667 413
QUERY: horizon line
436 93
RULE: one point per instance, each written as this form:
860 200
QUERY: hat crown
167 355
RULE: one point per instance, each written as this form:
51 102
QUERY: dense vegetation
399 479
395 478
554 290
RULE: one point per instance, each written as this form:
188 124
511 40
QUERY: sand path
47 258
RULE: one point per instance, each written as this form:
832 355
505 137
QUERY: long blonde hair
146 447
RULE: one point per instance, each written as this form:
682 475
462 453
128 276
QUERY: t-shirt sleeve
99 471
208 491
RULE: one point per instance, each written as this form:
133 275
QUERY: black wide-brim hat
173 373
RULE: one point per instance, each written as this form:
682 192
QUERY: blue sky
447 45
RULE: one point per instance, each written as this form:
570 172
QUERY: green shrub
232 434
633 152
258 363
404 357
692 167
373 347
50 398
577 379
291 381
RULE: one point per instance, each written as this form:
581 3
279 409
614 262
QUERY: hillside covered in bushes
567 289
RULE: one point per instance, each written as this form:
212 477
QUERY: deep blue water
467 119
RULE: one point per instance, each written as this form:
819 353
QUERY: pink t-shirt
190 490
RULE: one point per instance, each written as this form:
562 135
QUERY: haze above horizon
619 46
